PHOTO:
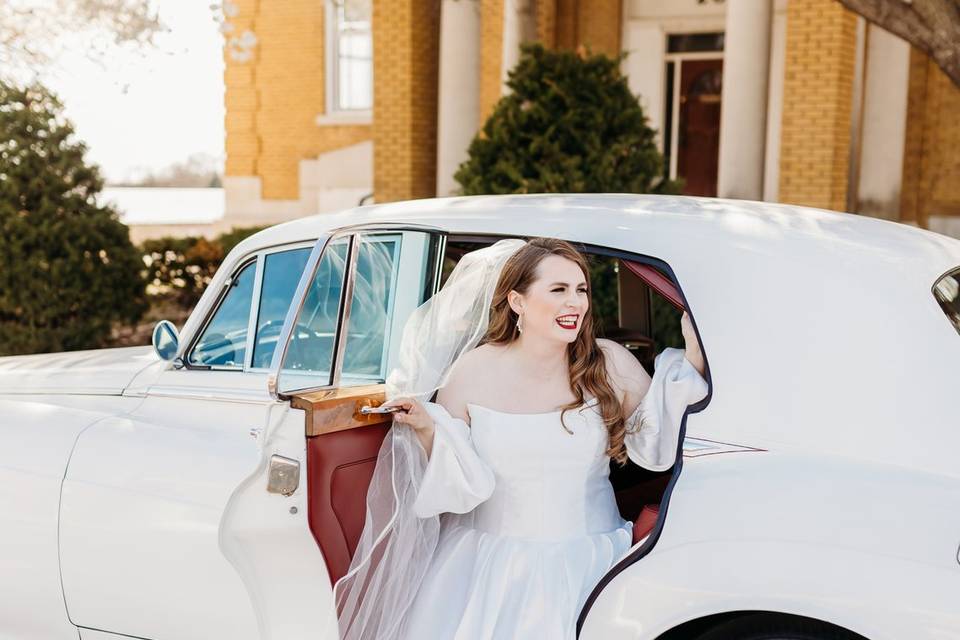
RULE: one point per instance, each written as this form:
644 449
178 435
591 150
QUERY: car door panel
266 537
342 448
140 514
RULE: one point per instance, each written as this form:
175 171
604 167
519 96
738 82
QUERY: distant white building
153 212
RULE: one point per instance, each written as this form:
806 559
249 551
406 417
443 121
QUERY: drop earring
520 322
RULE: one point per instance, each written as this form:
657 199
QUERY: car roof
646 223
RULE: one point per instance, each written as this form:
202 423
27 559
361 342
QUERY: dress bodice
551 483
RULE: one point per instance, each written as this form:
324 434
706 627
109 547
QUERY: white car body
133 497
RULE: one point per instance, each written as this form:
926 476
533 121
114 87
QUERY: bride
491 515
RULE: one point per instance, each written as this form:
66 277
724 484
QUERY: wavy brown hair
586 358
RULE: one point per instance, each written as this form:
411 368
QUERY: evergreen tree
67 267
568 125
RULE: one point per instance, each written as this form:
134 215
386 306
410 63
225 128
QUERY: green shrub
67 268
568 125
179 269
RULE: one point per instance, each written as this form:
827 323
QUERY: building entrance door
691 127
698 131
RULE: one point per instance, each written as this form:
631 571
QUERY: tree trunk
933 26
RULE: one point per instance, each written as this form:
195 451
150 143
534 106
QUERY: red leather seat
645 522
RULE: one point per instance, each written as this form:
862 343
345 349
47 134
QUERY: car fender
38 434
870 548
834 585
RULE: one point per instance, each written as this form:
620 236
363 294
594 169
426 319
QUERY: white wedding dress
530 521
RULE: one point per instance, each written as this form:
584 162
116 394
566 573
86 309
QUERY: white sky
146 111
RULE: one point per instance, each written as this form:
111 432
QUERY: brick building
794 101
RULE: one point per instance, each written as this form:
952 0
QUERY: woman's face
556 302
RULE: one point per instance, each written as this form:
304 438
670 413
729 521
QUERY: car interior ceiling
634 304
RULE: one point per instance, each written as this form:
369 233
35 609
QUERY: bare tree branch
35 33
933 26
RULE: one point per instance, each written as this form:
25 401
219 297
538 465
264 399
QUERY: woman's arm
451 397
630 379
691 345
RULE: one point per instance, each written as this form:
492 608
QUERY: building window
349 46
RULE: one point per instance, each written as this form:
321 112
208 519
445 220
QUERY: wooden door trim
331 410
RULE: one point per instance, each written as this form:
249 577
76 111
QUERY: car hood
95 372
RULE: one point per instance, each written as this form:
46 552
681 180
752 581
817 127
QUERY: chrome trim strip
346 303
254 312
283 341
387 226
438 264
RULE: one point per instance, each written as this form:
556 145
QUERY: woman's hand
413 413
691 344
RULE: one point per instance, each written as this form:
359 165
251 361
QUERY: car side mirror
166 340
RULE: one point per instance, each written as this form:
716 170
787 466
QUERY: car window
373 289
395 274
223 342
281 273
947 293
309 356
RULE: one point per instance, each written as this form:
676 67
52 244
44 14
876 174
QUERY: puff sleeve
455 479
653 429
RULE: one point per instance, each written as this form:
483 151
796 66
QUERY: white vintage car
213 486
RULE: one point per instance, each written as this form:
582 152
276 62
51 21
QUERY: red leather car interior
645 523
339 468
656 281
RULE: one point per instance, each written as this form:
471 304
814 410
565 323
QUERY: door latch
284 475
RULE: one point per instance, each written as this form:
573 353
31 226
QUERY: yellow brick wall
564 24
931 158
491 56
567 13
273 99
406 35
598 26
567 24
817 104
546 15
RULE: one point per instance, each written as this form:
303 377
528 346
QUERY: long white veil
396 546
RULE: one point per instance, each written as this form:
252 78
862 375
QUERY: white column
458 100
884 124
519 25
746 65
645 44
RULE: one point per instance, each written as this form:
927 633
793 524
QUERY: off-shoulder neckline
585 403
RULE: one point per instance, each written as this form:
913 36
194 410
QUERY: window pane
223 342
694 42
354 52
281 273
370 310
395 274
947 293
310 353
